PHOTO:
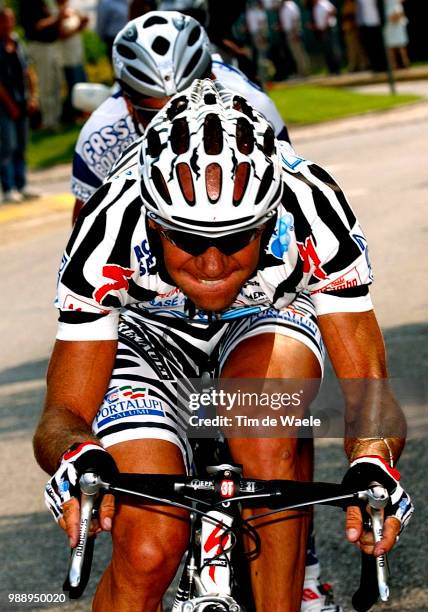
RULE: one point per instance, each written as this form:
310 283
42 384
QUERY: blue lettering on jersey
291 162
145 257
103 148
362 243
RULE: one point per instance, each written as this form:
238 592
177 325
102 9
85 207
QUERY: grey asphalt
381 162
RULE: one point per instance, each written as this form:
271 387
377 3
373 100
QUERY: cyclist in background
154 57
207 241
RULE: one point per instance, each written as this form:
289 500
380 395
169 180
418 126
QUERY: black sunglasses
196 245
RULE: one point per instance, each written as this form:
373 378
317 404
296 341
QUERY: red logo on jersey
216 538
117 274
308 253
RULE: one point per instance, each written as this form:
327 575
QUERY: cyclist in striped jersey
207 243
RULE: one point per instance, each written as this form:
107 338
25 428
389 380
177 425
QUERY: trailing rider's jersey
110 130
113 261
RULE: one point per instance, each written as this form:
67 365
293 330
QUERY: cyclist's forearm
58 429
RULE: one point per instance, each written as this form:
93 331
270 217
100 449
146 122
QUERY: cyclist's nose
212 264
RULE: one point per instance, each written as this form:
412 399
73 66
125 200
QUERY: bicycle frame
206 581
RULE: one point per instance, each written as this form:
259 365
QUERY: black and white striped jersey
113 259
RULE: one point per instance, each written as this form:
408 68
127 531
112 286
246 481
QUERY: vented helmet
209 163
160 53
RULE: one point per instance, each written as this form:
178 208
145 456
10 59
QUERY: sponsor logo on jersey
127 407
362 243
118 275
146 259
102 148
281 237
72 302
126 391
309 255
347 280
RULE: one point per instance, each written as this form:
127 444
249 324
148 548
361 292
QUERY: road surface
383 170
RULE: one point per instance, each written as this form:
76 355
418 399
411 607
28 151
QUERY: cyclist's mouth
211 282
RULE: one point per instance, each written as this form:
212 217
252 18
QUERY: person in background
291 22
198 9
395 34
112 16
324 21
370 20
72 53
223 16
257 27
356 56
17 102
41 21
140 7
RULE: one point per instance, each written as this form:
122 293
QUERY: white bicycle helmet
209 163
160 54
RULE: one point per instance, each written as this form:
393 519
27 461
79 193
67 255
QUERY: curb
372 120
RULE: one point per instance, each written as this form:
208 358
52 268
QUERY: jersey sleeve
332 252
98 270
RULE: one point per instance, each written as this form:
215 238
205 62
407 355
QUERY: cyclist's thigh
275 344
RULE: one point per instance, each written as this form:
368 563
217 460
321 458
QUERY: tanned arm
78 376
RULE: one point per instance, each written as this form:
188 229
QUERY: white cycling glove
80 458
372 468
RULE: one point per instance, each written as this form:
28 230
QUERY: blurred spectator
222 16
356 56
277 48
324 22
194 8
112 16
140 7
17 101
257 27
72 52
291 22
370 19
395 32
41 20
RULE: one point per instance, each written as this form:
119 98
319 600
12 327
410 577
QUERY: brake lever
81 556
377 498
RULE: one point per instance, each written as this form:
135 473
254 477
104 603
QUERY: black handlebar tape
76 592
368 591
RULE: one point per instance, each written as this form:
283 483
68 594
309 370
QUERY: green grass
305 104
46 149
298 104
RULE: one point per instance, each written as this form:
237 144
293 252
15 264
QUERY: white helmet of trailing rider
209 163
160 53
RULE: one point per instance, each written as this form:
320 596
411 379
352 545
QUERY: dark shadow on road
340 560
34 557
33 370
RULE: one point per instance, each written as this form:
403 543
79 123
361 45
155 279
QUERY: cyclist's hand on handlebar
70 519
357 534
62 491
361 473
